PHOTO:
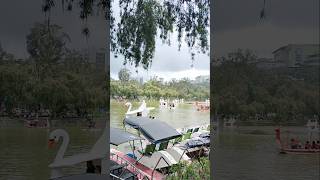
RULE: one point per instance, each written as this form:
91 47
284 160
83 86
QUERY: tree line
282 95
53 77
154 88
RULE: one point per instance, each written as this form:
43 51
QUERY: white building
297 55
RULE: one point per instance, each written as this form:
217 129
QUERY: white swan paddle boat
163 103
313 125
167 104
122 166
229 122
143 110
96 157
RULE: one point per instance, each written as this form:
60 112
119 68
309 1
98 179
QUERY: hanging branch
263 10
142 21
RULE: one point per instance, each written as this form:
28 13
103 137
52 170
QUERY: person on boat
318 145
294 144
307 145
90 167
313 146
291 144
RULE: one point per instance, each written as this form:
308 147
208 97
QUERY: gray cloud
17 18
233 14
167 59
237 25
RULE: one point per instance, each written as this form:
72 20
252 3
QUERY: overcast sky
237 25
168 62
17 18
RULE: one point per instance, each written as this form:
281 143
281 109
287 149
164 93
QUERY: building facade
297 55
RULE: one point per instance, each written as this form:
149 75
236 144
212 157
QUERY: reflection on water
250 153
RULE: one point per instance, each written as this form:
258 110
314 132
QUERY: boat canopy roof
154 130
119 136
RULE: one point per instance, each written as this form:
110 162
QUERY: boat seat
163 145
177 140
196 129
127 175
150 148
186 136
189 130
117 169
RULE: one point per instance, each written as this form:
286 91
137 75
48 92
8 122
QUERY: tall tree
124 75
46 46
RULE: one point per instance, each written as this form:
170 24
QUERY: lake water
250 153
185 115
244 153
24 153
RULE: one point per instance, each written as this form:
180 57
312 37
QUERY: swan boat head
56 135
128 104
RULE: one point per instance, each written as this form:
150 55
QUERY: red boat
36 123
203 106
284 149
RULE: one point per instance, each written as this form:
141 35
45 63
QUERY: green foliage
197 170
46 44
155 89
4 56
240 88
67 83
124 75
